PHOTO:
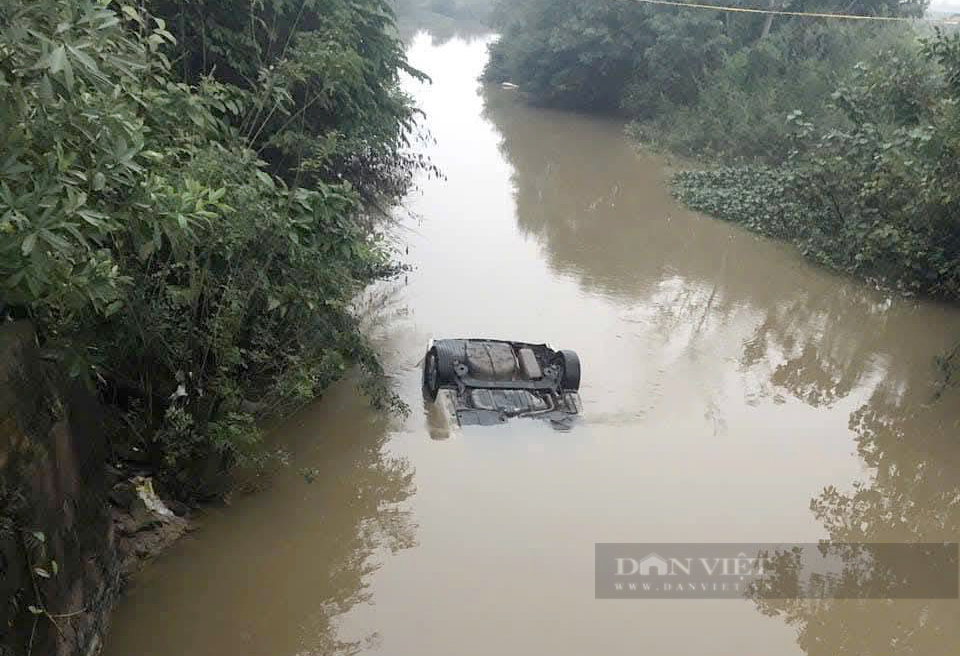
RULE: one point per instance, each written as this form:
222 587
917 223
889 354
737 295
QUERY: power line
780 12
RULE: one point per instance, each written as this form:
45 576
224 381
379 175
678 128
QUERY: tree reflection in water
377 523
909 442
579 192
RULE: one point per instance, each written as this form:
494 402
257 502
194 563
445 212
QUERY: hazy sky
939 4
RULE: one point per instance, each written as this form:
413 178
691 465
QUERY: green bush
891 179
200 283
312 86
741 107
685 75
687 48
568 53
878 197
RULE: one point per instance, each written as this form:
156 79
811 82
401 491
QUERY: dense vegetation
461 10
442 19
189 198
840 136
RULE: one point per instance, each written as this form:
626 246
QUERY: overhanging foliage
185 220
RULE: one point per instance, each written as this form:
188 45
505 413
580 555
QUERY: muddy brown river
732 393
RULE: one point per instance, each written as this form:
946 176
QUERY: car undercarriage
490 381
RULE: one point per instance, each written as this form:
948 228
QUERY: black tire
448 354
439 369
569 363
431 378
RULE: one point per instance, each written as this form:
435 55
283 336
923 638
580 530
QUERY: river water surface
731 391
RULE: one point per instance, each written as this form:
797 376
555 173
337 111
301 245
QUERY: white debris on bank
144 488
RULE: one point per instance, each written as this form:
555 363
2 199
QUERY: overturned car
488 381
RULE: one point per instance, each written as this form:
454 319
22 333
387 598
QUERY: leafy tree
312 85
878 196
571 54
688 47
202 283
891 180
612 55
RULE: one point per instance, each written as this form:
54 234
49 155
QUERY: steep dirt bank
74 521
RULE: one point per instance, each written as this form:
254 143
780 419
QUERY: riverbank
76 518
846 231
839 136
187 216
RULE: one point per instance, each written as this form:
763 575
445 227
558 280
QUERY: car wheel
447 353
569 363
431 377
